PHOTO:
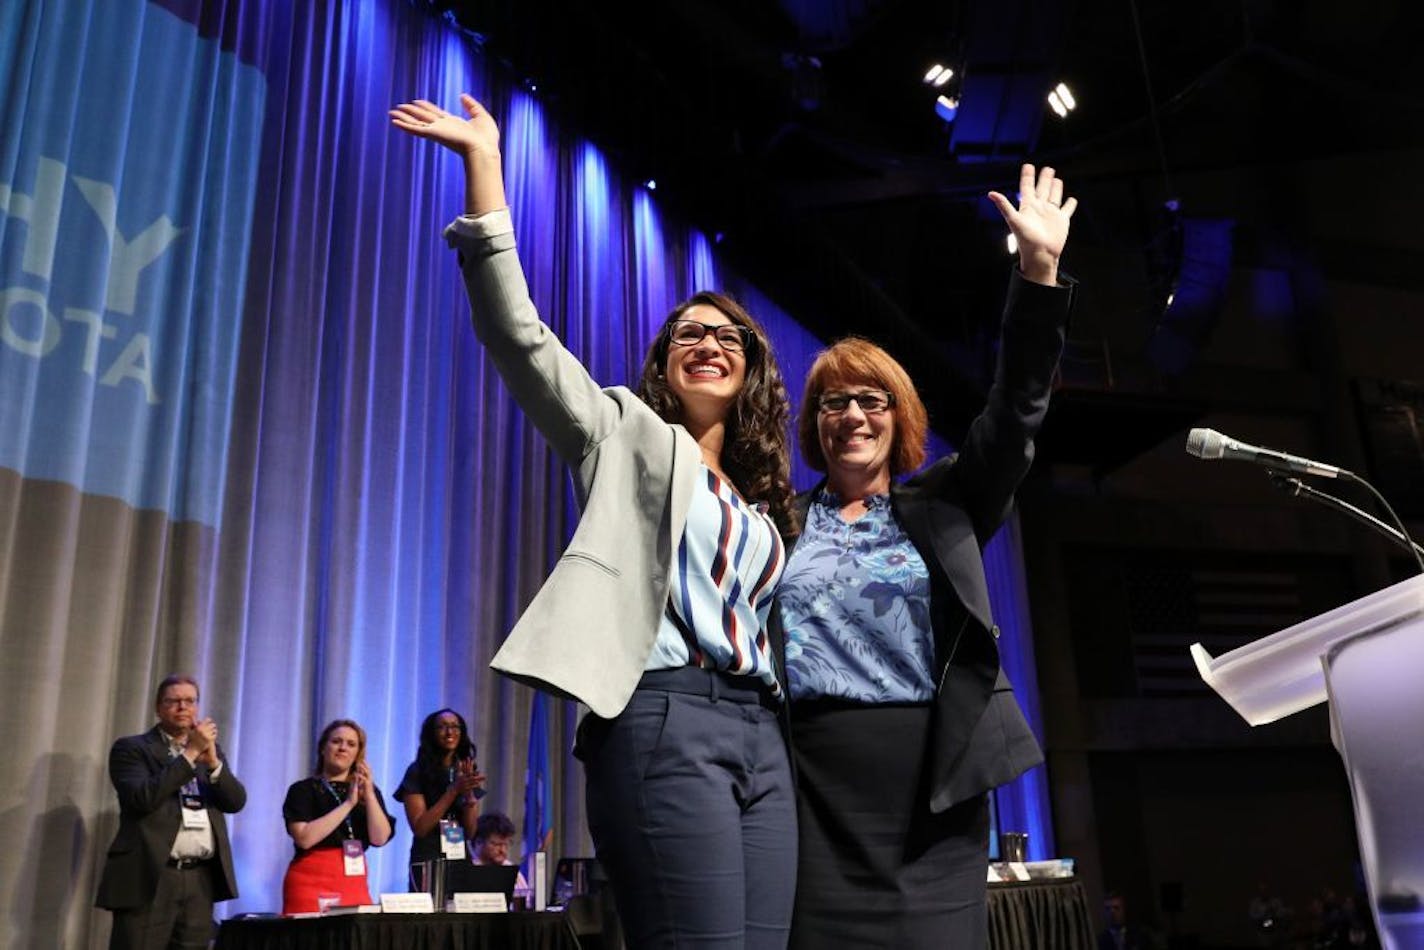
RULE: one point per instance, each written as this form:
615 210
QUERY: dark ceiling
802 132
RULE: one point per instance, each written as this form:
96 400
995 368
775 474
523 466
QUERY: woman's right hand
476 135
474 138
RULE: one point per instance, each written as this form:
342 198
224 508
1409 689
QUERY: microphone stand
1299 489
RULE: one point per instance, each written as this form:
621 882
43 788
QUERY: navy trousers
693 814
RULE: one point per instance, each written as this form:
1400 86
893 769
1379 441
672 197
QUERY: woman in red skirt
333 817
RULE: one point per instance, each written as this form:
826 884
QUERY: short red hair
855 361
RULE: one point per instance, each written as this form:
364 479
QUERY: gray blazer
589 630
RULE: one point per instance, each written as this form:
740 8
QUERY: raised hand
474 138
474 134
1039 223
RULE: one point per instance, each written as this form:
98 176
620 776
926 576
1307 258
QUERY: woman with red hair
902 720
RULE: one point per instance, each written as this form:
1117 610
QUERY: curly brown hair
756 453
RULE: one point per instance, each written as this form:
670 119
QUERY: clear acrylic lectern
1367 659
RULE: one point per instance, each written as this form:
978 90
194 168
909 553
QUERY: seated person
1119 934
333 817
494 833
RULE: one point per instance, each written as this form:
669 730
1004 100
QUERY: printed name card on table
476 903
1008 871
417 903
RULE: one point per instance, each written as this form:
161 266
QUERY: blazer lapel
912 513
157 746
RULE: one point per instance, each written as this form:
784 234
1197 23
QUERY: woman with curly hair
656 614
442 784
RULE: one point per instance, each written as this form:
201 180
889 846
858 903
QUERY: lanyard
350 832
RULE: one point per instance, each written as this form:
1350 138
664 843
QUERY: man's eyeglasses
730 336
173 702
870 401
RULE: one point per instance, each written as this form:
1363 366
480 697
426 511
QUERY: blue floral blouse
855 604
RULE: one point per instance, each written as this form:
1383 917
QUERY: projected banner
122 251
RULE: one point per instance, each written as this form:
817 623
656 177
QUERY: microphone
1210 444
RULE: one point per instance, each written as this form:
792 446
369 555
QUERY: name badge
452 839
355 857
195 817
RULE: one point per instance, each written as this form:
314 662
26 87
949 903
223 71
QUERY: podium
1367 660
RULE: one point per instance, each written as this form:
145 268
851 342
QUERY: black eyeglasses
870 401
730 336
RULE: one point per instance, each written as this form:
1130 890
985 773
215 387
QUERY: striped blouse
728 562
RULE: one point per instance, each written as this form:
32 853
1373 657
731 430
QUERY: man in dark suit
170 859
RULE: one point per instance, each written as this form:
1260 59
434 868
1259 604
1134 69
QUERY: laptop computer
573 876
463 877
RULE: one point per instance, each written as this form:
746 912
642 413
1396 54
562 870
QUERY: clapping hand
466 778
366 787
360 784
1039 223
207 730
201 741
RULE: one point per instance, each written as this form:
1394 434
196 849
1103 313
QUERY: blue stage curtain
1021 805
245 429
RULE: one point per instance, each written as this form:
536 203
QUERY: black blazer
950 510
148 781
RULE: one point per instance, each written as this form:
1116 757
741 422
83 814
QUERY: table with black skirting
1040 915
1034 915
528 930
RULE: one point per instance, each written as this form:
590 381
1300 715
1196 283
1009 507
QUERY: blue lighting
947 108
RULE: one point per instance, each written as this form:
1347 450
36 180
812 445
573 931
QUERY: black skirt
876 867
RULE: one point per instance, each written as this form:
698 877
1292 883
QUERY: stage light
935 72
947 107
1012 243
943 78
651 184
1061 100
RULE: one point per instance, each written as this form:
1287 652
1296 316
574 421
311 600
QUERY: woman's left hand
363 781
1039 223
